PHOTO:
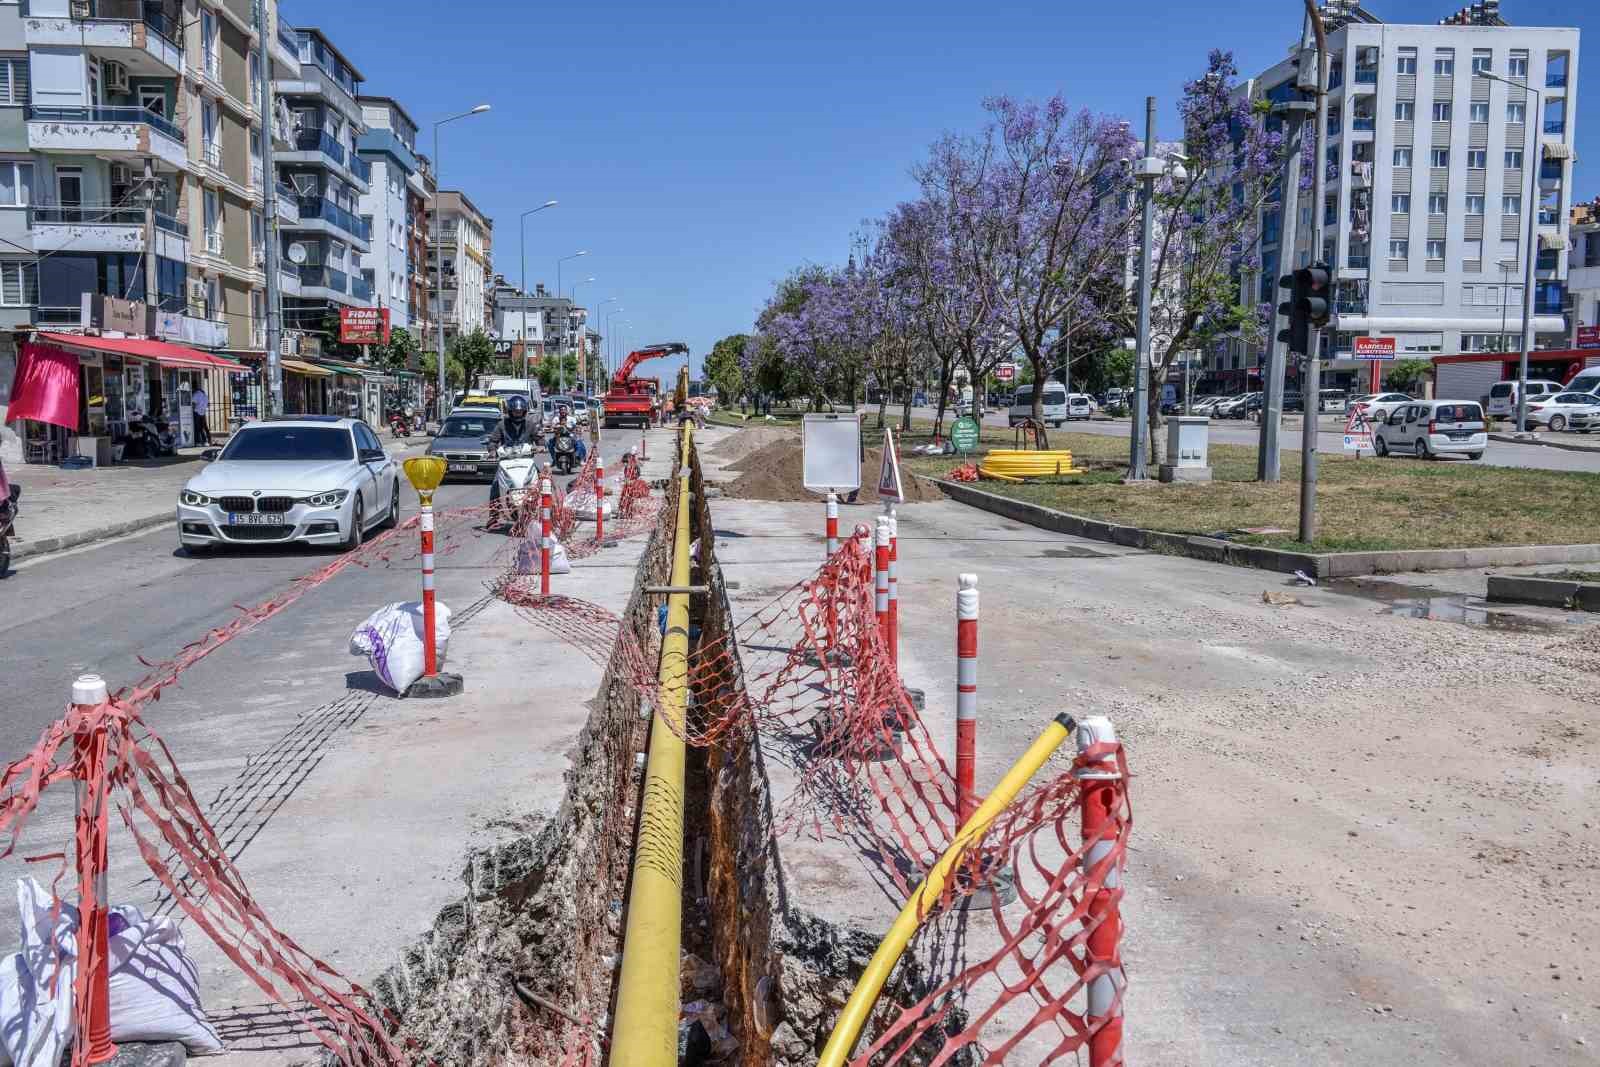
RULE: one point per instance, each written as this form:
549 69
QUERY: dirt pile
775 471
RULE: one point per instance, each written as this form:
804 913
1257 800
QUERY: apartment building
1432 171
459 241
421 188
1583 275
327 236
389 145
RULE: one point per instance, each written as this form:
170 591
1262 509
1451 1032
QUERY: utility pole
1311 389
152 287
272 399
1149 170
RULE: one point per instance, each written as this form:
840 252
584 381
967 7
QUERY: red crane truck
636 400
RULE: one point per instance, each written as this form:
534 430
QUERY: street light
522 233
438 240
561 354
574 308
1530 160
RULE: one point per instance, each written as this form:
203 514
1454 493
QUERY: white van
1054 410
1428 429
1585 381
1501 403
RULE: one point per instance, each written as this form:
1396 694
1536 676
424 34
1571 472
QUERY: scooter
516 481
8 515
154 437
566 451
398 424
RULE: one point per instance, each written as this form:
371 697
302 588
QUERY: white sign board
831 446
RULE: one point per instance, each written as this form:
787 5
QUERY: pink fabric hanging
46 387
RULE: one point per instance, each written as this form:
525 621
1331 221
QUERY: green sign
964 434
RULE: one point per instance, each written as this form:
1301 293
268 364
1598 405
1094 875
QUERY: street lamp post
1530 159
522 234
438 240
566 327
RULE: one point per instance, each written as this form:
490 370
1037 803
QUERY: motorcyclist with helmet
515 428
563 423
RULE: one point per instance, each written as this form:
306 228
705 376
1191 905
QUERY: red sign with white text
363 326
1374 348
1004 372
1589 336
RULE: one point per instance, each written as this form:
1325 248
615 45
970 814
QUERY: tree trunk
1158 444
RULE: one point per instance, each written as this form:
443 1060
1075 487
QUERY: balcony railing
360 288
315 139
1359 262
84 215
324 277
360 167
316 207
172 225
288 39
1555 125
1363 123
214 242
1366 75
109 115
139 11
213 153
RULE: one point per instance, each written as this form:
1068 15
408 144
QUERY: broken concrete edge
45 545
1213 550
1565 446
1548 592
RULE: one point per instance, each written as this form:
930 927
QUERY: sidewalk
64 508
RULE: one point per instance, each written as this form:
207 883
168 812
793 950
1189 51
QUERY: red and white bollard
94 809
966 698
880 576
1101 808
430 658
644 443
832 528
894 586
544 533
599 498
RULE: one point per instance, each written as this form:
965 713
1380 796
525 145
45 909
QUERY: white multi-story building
1433 168
1583 274
390 146
458 235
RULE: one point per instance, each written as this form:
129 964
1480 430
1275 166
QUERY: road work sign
1357 433
830 447
889 474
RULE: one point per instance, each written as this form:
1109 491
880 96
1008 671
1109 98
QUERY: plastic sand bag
391 639
527 561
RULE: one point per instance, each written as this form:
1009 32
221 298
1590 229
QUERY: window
1475 205
1404 110
1399 249
14 79
1555 69
257 244
1511 205
1400 203
1402 157
19 283
1441 111
1478 111
1517 65
1482 61
16 183
1516 114
1406 61
1555 115
1444 63
1477 158
1513 159
1439 157
1435 249
1436 203
69 186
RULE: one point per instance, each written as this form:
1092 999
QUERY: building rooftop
388 101
355 73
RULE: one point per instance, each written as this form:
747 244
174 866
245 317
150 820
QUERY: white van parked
1054 410
1428 429
1501 403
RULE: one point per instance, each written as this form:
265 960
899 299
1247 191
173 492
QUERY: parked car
1293 401
1079 405
1116 397
1431 428
1501 402
1053 411
1379 405
1556 411
321 479
1237 407
460 443
1332 401
1585 421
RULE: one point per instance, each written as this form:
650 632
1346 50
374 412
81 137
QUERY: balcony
288 278
1366 75
1363 123
123 134
315 146
288 205
319 281
322 210
104 228
1555 126
361 168
361 289
136 34
316 139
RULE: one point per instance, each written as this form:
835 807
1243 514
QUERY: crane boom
625 372
633 399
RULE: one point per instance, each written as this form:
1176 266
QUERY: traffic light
1306 307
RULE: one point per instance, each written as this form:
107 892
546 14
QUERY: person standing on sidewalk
201 404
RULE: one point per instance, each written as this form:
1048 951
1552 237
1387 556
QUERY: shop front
304 388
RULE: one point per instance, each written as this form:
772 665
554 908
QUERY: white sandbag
527 561
391 639
36 1022
155 986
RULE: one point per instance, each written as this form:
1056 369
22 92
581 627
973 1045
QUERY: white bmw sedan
318 479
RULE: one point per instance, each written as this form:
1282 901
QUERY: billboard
363 326
1374 348
1589 336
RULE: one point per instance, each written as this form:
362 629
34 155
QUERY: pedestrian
201 404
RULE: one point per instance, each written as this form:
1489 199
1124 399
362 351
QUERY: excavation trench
523 967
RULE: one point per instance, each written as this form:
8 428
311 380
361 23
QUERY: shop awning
309 370
162 352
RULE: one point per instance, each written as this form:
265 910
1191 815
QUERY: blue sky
700 150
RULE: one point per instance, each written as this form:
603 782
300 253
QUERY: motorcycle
516 481
398 424
151 438
566 451
8 515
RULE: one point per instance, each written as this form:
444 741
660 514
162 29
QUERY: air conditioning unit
80 9
286 345
121 174
116 76
197 291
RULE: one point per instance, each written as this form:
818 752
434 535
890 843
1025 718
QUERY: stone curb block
24 549
1324 565
1562 445
1550 592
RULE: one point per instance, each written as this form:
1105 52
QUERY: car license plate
236 519
1460 436
462 467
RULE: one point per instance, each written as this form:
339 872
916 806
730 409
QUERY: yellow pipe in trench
848 1029
645 1030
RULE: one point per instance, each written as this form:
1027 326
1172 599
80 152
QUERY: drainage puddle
1422 602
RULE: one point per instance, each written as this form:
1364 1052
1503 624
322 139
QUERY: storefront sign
1374 348
1005 372
113 315
176 326
363 326
1589 336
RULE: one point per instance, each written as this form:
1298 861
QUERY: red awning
168 355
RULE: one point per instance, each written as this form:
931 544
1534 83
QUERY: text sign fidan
831 445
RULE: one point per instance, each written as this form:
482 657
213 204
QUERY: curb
1511 439
1213 550
1549 592
44 545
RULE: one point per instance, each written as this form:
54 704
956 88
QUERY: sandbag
527 561
391 639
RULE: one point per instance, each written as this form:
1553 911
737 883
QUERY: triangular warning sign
889 474
1357 422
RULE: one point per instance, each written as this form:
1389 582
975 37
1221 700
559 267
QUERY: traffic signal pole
1311 391
1268 460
